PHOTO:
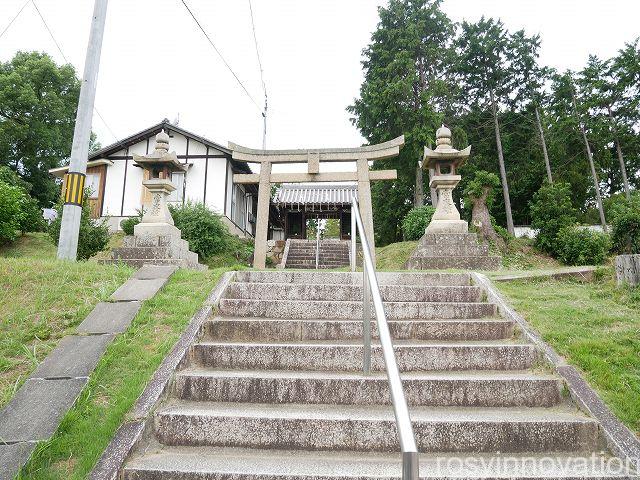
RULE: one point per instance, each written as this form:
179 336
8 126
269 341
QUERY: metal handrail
410 466
317 243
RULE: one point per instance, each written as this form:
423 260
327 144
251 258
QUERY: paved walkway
35 411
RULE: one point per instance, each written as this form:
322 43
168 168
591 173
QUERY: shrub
625 226
581 246
202 228
32 220
12 213
93 235
127 225
415 222
551 211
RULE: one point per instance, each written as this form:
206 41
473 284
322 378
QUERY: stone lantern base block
156 230
155 244
441 251
447 226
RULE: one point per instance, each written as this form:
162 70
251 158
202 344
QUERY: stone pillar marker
160 164
444 160
156 240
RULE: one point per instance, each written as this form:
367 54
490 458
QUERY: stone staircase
274 388
333 254
452 250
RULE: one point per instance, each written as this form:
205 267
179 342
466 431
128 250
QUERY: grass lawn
120 377
519 255
596 327
42 300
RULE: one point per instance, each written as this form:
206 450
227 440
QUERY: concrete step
396 293
347 357
217 463
323 256
452 250
312 263
373 428
320 267
461 262
355 278
464 389
144 252
352 309
262 329
449 239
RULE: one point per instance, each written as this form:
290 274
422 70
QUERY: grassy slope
596 326
120 377
41 301
394 255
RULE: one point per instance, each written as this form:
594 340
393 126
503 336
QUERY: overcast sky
157 64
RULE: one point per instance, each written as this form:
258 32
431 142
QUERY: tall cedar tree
38 101
487 80
405 91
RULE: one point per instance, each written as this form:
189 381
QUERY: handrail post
366 322
371 296
353 240
410 466
317 243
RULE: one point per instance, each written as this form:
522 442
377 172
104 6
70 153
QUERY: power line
67 61
219 53
255 41
264 87
14 18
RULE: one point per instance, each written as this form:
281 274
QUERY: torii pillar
363 176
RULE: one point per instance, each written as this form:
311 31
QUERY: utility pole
264 123
68 242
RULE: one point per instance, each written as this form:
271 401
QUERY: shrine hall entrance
302 207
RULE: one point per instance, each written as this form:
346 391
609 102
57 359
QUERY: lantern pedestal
446 218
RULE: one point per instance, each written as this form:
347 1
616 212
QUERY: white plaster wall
215 183
219 170
113 189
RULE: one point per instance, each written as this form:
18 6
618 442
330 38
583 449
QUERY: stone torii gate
363 176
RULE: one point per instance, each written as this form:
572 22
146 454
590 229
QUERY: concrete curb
620 440
584 274
36 410
134 428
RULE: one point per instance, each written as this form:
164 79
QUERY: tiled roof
321 194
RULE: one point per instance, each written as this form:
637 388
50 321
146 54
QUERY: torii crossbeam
312 157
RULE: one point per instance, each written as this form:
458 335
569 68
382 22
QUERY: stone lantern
156 240
447 242
160 164
445 160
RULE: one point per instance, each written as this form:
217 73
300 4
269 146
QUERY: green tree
479 193
406 90
38 101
